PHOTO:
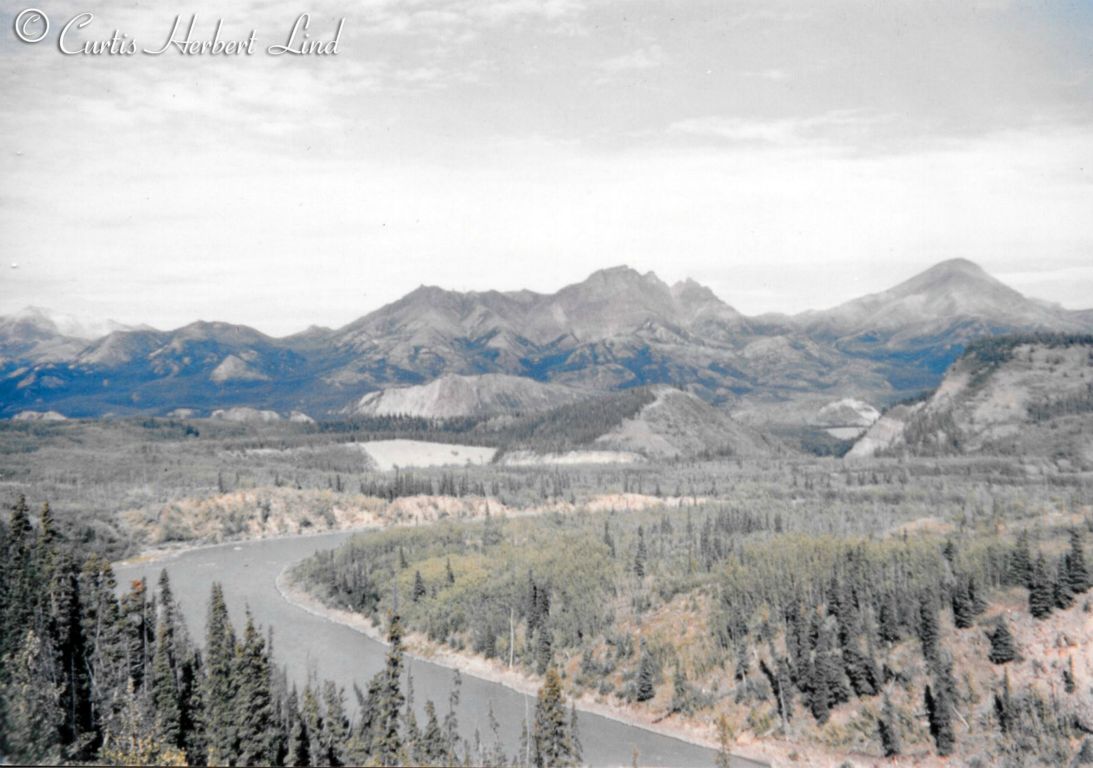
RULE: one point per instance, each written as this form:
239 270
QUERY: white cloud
649 57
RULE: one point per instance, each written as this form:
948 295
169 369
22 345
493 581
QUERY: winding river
308 644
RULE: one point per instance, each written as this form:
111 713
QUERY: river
306 643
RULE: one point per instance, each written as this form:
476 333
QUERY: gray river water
305 642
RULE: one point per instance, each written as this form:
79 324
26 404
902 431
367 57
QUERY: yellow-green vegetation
790 631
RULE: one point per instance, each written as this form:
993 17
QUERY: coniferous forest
88 676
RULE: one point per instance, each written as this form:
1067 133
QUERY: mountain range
616 330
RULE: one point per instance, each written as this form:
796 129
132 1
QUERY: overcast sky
788 155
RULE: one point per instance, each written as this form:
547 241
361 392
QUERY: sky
789 155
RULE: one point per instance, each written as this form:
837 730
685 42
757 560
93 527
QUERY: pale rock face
454 396
39 416
885 433
235 369
847 412
247 415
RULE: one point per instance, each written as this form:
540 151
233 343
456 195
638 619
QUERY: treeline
86 676
995 350
561 428
576 424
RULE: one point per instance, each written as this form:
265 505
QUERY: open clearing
389 454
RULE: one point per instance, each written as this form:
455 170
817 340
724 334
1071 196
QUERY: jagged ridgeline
614 331
93 674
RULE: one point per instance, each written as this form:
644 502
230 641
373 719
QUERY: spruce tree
387 741
929 632
451 721
888 725
419 587
680 697
448 572
963 605
1003 706
551 740
1077 573
218 695
1021 561
544 650
829 680
311 713
71 654
299 748
819 697
1062 592
940 701
165 698
888 619
434 745
941 725
1041 596
641 555
33 715
256 729
1003 649
335 736
647 673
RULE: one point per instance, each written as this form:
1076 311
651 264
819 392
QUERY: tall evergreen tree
256 724
929 632
641 555
1021 561
334 740
1076 571
1003 648
544 649
68 641
1041 596
33 715
434 747
888 726
387 741
940 701
419 587
311 713
551 740
1003 706
1063 593
647 672
218 695
165 698
298 752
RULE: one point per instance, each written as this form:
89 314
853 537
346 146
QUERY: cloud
834 128
773 74
649 57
